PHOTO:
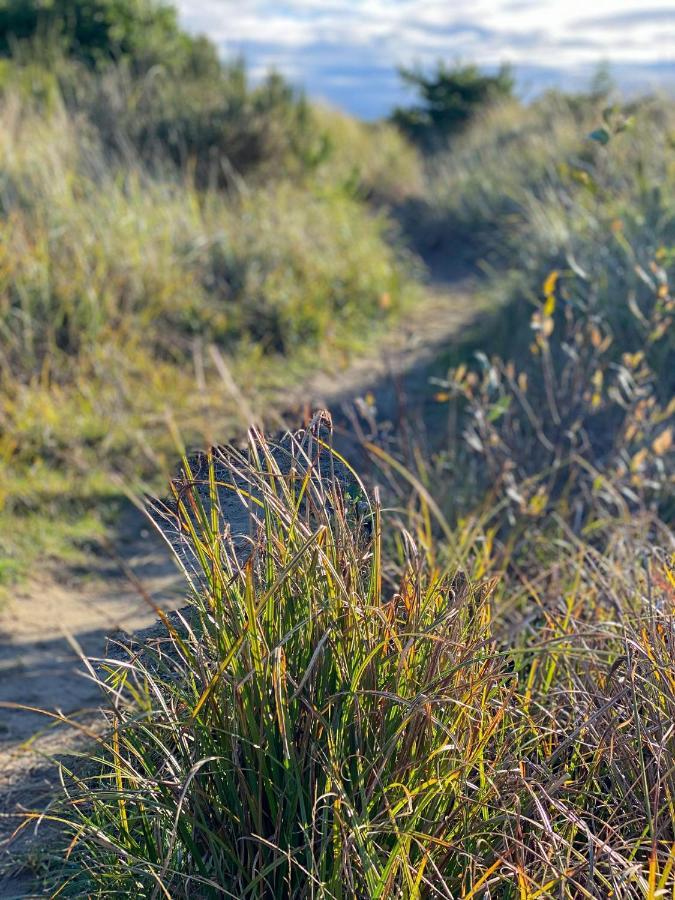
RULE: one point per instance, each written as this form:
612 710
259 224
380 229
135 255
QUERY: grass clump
348 709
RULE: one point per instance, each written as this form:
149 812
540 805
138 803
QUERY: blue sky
347 51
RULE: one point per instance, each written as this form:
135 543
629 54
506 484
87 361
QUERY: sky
347 52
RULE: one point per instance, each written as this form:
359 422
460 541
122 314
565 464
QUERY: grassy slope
114 282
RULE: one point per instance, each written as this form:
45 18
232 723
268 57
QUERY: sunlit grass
115 283
346 709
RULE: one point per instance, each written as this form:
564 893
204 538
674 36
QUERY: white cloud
316 40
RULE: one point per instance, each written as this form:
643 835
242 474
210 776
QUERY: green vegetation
465 691
578 222
449 100
364 710
144 33
144 220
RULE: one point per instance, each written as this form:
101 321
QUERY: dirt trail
48 619
42 630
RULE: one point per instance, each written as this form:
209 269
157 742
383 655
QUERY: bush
528 183
449 100
214 130
568 408
153 91
572 427
143 33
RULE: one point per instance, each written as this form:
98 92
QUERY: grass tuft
338 712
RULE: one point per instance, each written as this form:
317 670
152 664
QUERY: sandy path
40 631
40 628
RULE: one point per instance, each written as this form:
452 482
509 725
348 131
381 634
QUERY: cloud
629 17
349 51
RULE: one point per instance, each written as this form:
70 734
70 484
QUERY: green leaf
498 409
601 135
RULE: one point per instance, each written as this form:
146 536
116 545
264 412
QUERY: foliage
144 33
152 91
151 206
115 282
216 129
372 159
568 427
90 256
569 407
358 711
529 182
449 99
466 692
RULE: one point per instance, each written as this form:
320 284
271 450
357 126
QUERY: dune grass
572 185
115 282
565 394
349 708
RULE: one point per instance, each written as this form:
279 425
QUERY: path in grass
50 619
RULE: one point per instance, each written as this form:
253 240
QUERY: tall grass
114 282
368 701
527 179
566 401
347 709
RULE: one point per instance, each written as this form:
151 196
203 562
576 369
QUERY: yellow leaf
633 360
638 460
538 502
550 283
442 397
663 442
631 431
460 372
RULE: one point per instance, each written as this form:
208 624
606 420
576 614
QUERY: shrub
449 100
143 33
573 426
153 91
528 183
215 130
